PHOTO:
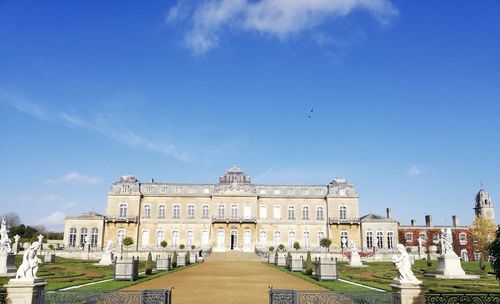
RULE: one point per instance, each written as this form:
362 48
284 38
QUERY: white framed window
147 211
409 237
390 240
464 255
321 235
291 212
220 210
277 238
204 237
176 212
277 212
189 238
477 255
161 211
190 211
462 238
178 189
83 235
422 236
160 237
319 191
276 191
247 211
145 238
72 237
262 191
120 234
380 239
234 211
305 191
204 212
369 239
305 212
343 212
94 236
263 212
291 238
291 191
206 190
123 210
435 238
263 238
175 238
307 241
320 215
344 238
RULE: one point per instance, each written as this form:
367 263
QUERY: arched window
72 237
176 211
462 238
344 239
277 212
390 240
263 238
175 238
220 211
234 211
291 238
147 211
123 210
409 237
305 212
94 235
120 234
191 211
380 239
83 235
160 237
291 212
306 239
263 212
321 235
189 238
161 211
145 238
369 239
277 238
319 213
343 212
204 212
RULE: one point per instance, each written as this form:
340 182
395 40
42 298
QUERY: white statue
403 265
355 260
40 238
109 247
446 241
29 266
4 238
354 249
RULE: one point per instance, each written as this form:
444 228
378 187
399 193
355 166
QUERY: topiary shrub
308 265
181 246
163 244
174 259
271 248
149 265
51 247
325 243
193 247
281 247
296 245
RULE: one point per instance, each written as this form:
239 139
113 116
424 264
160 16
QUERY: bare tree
12 219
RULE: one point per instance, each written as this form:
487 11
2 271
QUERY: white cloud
416 170
277 18
24 105
75 178
38 199
53 222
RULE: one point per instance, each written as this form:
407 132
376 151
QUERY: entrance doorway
220 240
234 239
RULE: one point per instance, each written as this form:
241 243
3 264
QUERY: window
123 210
306 239
422 236
409 237
147 211
72 237
263 238
435 238
390 240
83 235
262 191
178 189
234 211
204 212
464 255
189 238
321 235
145 238
221 211
319 213
477 255
380 239
276 191
161 211
191 212
247 211
291 212
305 191
160 237
177 212
94 235
120 234
462 238
277 238
344 238
291 238
369 240
206 190
263 212
319 191
343 212
291 191
175 238
204 237
305 212
277 212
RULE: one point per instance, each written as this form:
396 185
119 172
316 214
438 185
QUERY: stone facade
234 214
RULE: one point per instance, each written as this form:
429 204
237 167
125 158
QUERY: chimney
389 213
454 219
413 222
428 220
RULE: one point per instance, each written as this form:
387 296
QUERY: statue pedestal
7 266
449 267
106 259
24 291
408 292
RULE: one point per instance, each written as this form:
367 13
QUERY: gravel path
218 281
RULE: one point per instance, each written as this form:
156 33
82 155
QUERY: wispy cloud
75 178
416 170
53 222
208 19
100 122
39 199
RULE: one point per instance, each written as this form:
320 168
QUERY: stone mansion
233 214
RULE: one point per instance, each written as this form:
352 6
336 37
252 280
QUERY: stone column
408 292
24 291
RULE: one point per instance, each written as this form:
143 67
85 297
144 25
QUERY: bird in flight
310 113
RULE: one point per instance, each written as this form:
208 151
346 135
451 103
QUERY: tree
271 248
325 243
483 233
495 254
11 219
149 264
296 245
308 265
163 244
127 241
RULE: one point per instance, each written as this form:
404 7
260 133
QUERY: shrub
174 259
271 248
149 264
281 247
495 253
308 265
51 247
127 241
193 247
163 244
296 245
181 246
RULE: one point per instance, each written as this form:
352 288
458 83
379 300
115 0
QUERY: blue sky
405 97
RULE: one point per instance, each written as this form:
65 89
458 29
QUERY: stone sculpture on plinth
7 267
355 259
406 287
107 255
